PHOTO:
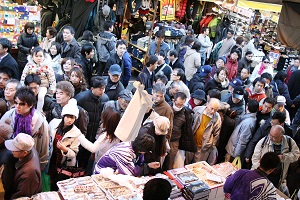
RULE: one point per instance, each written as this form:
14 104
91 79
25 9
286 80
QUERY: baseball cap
204 70
115 69
126 94
236 82
162 125
281 100
238 92
22 142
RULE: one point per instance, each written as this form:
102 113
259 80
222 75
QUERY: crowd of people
62 100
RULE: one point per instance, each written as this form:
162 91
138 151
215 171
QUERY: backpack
288 138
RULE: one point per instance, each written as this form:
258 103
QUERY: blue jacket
127 69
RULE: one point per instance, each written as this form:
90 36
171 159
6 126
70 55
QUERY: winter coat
70 140
9 63
70 50
177 64
256 96
40 133
106 45
186 140
280 88
266 145
244 63
255 74
226 47
232 67
87 68
163 69
212 131
293 84
83 42
127 69
25 44
197 82
55 64
112 90
216 84
44 71
241 135
192 61
146 78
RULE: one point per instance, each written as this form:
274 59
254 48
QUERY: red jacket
232 67
255 96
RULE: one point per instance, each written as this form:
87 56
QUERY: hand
154 165
280 157
247 159
61 146
293 106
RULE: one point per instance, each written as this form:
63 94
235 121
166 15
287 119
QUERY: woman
219 82
54 51
128 157
66 65
50 37
261 68
78 81
65 140
219 63
280 87
192 61
232 64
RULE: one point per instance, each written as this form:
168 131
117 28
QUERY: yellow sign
167 9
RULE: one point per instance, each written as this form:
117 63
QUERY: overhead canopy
268 1
259 6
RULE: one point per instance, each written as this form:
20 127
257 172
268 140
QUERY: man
242 133
147 76
69 47
5 75
256 90
232 85
159 40
27 178
189 33
114 86
157 188
11 88
244 77
286 149
117 58
163 68
178 76
206 129
200 78
228 43
172 90
291 69
245 62
294 91
268 87
248 44
253 184
279 107
6 60
161 106
205 43
264 112
174 61
124 98
86 61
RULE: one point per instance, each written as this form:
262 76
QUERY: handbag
71 171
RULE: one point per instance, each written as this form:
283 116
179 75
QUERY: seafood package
225 169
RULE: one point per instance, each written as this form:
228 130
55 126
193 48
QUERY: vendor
128 157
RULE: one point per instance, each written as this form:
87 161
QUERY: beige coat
192 61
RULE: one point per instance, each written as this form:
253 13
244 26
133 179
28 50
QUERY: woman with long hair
220 80
78 81
66 65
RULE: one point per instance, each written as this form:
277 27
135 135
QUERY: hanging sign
167 9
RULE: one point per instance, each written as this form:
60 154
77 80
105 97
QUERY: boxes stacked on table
196 190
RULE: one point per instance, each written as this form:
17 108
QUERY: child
55 50
78 81
39 63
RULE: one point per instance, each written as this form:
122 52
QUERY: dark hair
29 25
174 53
162 77
239 40
180 73
61 129
235 50
259 79
180 95
143 143
189 40
248 53
253 106
26 95
267 76
297 58
120 42
58 48
270 100
222 69
162 53
196 46
6 44
190 30
110 118
87 35
265 57
157 188
270 160
82 82
67 87
230 31
159 34
52 31
248 70
107 25
280 116
152 59
64 60
281 75
86 48
204 28
32 78
7 71
98 82
59 37
70 28
37 49
214 93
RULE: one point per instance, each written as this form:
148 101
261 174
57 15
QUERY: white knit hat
71 108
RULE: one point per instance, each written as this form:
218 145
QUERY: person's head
108 26
172 55
205 71
296 61
230 34
70 113
252 106
6 132
59 37
38 55
178 101
87 51
276 134
51 32
212 106
33 81
5 75
280 103
196 46
29 28
222 73
143 143
213 93
152 63
11 88
124 98
77 77
24 101
68 33
87 35
157 188
55 48
269 162
268 105
281 75
161 78
249 55
158 93
110 119
177 75
159 36
205 30
237 94
5 46
267 77
234 83
161 57
234 54
114 73
120 48
189 40
198 97
174 88
245 73
190 32
161 124
64 92
247 38
266 61
278 118
221 62
67 64
259 84
98 85
20 146
239 40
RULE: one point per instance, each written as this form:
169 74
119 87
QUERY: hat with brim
199 94
22 142
162 125
238 92
281 100
115 69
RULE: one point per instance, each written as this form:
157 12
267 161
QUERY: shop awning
259 6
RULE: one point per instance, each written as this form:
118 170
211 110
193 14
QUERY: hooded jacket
106 45
256 96
232 67
192 61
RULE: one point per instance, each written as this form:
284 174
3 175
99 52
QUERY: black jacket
112 90
280 88
87 68
177 64
146 79
113 59
25 43
9 63
186 141
93 105
244 63
70 50
293 84
197 82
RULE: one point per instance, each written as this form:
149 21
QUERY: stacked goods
225 169
196 190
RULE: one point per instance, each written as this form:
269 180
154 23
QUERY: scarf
23 124
261 69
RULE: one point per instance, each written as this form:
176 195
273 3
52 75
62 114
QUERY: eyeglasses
266 62
20 104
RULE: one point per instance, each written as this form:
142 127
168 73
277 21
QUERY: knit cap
71 108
